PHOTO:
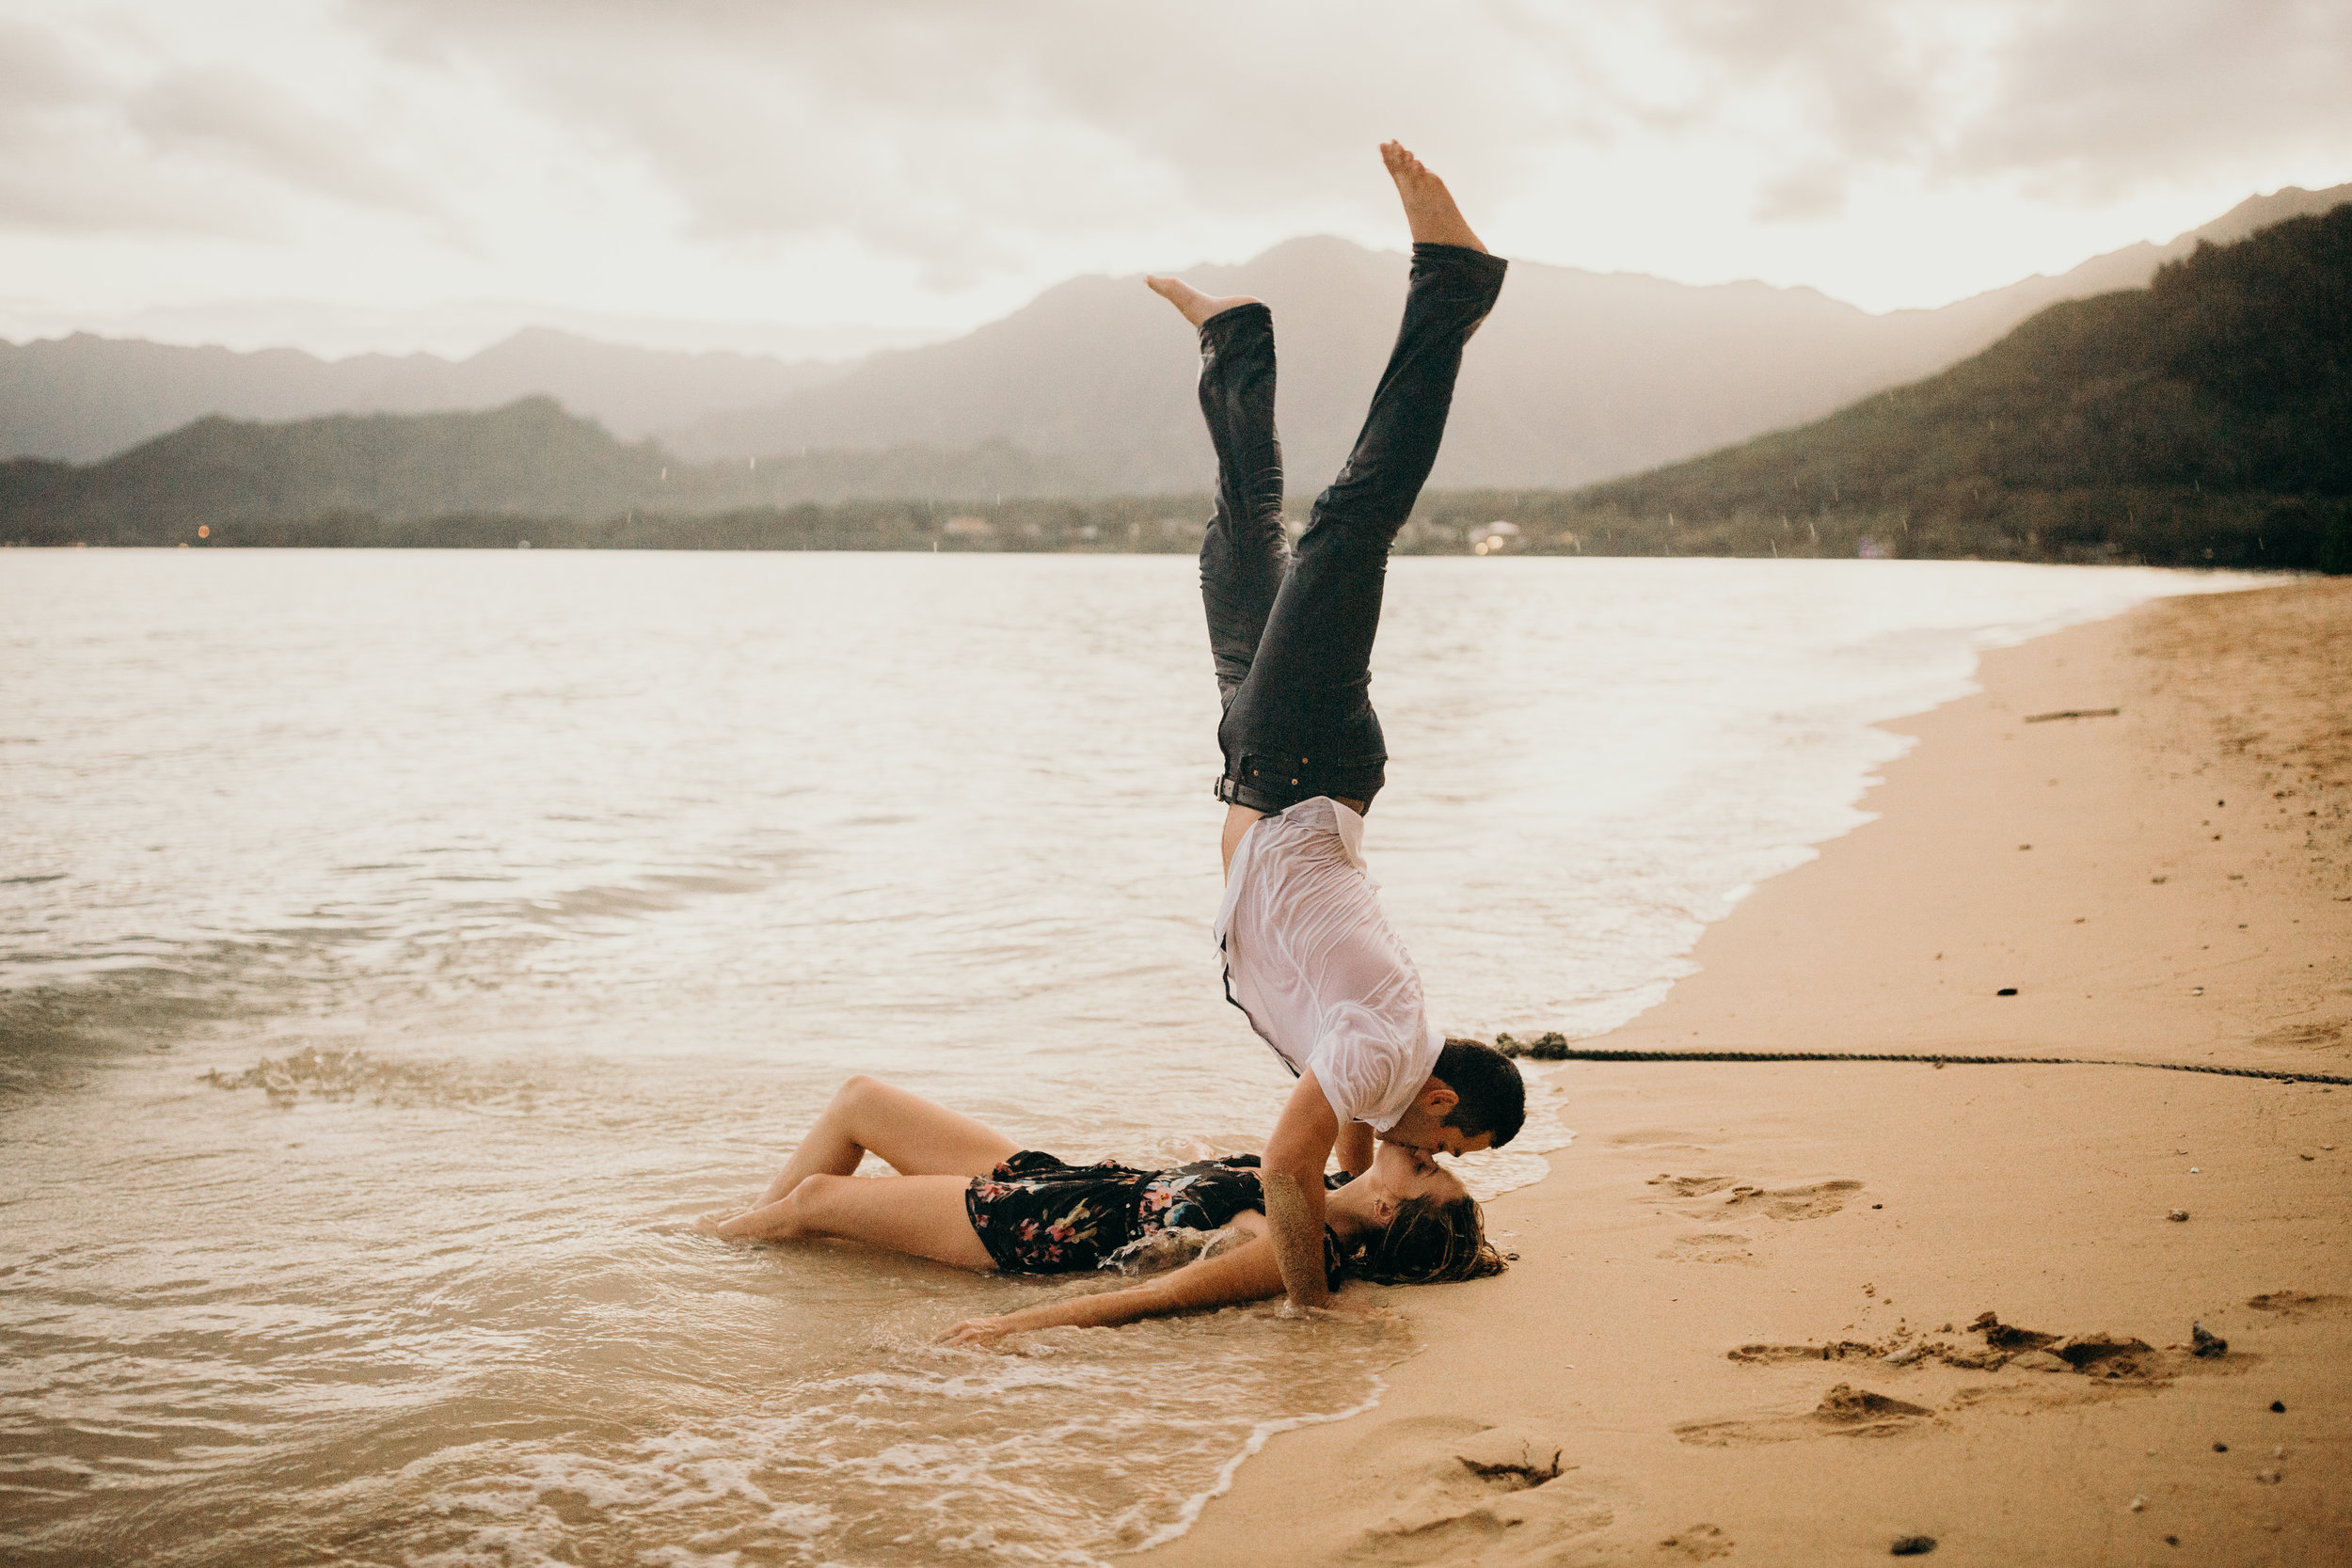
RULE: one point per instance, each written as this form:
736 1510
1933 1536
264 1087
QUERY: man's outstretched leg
1302 723
1245 553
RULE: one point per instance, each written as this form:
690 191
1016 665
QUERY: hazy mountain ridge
83 398
2206 418
1579 377
2131 268
529 459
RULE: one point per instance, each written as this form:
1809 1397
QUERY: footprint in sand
1809 1202
2297 1303
1689 1186
1845 1411
1812 1202
1454 1492
1697 1543
1720 1246
2303 1034
1660 1137
1779 1355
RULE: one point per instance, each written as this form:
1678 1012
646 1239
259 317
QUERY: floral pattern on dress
1037 1215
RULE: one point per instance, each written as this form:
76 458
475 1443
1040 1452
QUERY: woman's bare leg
915 1137
923 1216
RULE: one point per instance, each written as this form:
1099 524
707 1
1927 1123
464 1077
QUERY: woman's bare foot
1197 307
707 1225
1429 209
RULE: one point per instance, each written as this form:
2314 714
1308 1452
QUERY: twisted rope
1572 1053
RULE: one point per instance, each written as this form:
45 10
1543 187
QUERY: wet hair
1492 1095
1428 1241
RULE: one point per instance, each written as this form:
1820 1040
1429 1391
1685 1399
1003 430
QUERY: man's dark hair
1493 1094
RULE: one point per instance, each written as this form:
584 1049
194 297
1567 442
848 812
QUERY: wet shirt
1311 960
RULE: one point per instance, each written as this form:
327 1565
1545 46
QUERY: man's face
1423 1130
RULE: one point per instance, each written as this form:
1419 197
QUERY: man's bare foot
1197 307
1429 209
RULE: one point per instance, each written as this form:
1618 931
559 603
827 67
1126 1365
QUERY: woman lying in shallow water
967 1194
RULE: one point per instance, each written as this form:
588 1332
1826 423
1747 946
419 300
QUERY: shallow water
612 865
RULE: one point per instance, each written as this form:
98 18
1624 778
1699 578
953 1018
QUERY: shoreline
1713 1271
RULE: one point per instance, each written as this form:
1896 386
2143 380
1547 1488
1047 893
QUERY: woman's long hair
1430 1240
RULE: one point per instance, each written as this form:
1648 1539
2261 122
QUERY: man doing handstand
1308 956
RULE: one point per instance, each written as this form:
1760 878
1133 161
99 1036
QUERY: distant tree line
2146 525
2203 420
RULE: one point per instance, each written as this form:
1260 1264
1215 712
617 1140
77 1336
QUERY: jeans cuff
1226 323
1460 266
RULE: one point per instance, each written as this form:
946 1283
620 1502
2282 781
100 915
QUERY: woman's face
1398 1173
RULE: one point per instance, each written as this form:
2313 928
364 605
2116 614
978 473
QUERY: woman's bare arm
1247 1272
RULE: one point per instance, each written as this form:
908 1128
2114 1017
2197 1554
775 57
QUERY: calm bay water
613 865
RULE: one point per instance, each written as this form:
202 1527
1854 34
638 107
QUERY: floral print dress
1038 1215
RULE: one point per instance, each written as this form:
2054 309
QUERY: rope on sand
1545 1052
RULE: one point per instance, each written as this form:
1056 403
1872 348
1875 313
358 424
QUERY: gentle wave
385 972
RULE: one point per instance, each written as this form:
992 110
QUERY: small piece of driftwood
2073 713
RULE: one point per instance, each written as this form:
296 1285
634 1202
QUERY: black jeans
1292 631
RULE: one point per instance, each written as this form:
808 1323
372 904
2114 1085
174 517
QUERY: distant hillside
2207 418
1579 375
1964 327
82 398
529 459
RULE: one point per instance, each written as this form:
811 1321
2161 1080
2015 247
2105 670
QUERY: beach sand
1710 1277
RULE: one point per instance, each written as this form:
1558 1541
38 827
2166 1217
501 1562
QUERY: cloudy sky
346 174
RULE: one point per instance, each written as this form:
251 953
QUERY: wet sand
1690 1361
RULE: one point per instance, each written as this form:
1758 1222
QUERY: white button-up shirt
1311 960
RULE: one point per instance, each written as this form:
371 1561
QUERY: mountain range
1577 377
83 398
2204 418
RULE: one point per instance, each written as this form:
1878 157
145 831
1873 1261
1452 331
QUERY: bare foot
1429 209
1197 307
707 1225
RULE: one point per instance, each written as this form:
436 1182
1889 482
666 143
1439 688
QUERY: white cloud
941 130
2094 99
928 163
229 115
